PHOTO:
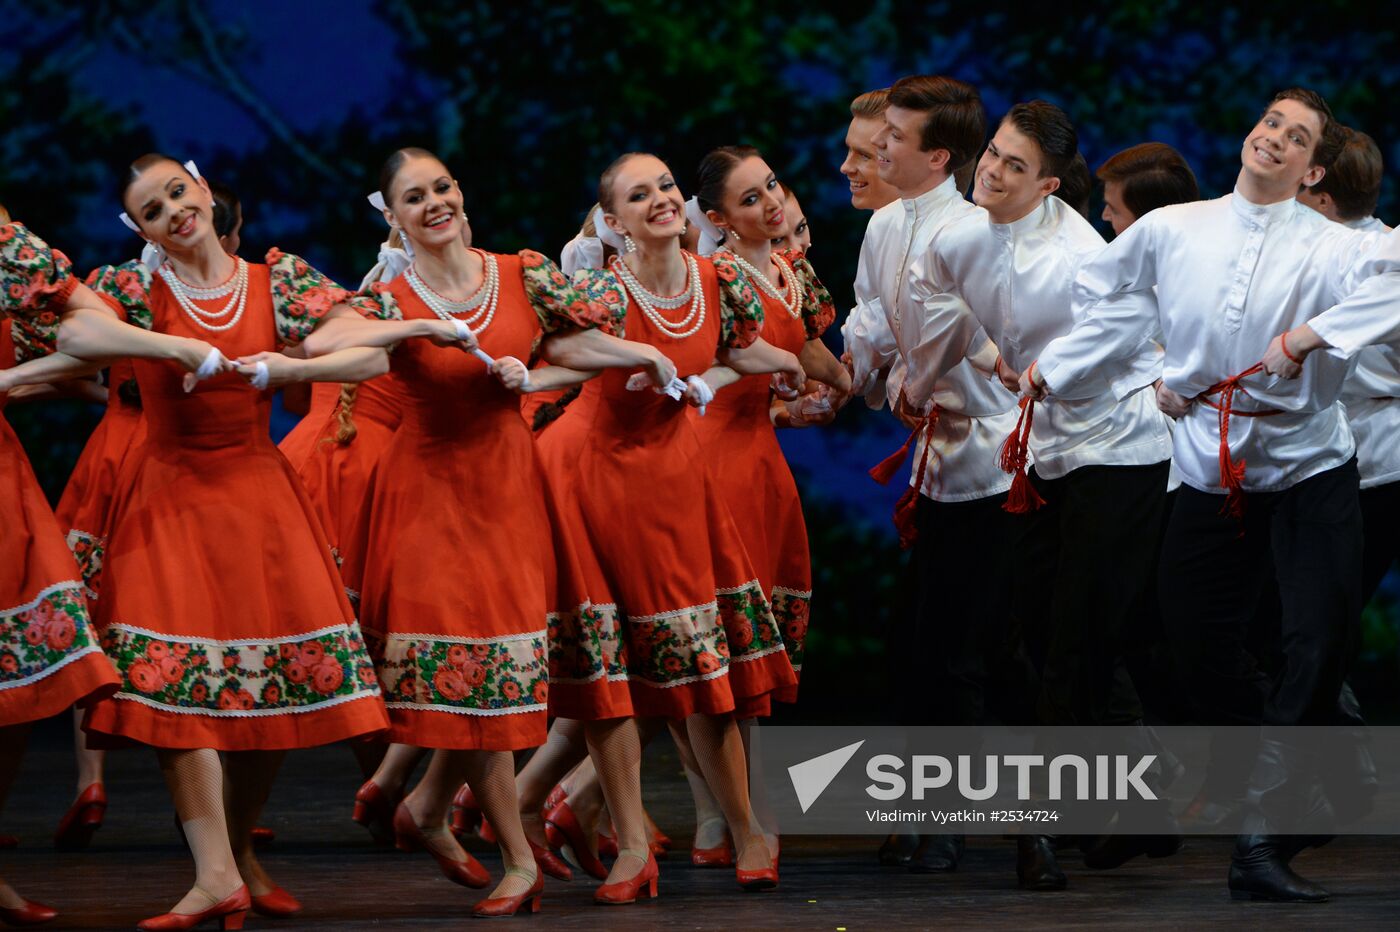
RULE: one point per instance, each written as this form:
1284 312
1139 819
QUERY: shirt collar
925 203
1027 223
1262 214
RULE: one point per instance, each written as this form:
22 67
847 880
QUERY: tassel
908 505
1232 471
886 469
1015 451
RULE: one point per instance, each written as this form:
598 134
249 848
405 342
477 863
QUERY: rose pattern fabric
790 609
499 676
35 284
129 285
88 550
585 645
232 678
557 303
45 634
818 309
301 296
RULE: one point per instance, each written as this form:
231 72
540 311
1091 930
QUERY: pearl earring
734 233
628 244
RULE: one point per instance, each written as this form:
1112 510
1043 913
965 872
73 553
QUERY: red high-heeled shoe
82 819
627 891
276 903
607 846
751 881
466 814
562 829
550 863
497 907
660 839
374 809
409 837
263 836
230 911
721 855
30 914
555 797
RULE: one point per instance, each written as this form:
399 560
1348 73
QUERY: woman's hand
659 368
200 360
450 333
778 385
265 371
513 374
792 376
813 410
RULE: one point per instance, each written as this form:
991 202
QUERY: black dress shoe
1259 871
1035 864
937 854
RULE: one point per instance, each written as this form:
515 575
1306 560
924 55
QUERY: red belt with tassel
1232 470
906 507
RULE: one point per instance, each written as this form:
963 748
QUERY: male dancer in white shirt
1253 273
1085 557
933 124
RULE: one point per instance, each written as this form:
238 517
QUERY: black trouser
1215 569
1081 566
1380 519
941 654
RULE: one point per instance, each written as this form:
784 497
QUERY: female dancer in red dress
677 625
221 606
49 652
747 208
460 638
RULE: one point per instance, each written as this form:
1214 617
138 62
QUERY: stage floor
137 867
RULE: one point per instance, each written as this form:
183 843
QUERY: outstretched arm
760 358
343 328
355 364
590 350
90 331
46 370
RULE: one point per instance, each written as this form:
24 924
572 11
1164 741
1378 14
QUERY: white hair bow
710 236
606 233
581 252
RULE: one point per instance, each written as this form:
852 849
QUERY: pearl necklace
694 295
483 302
185 295
792 300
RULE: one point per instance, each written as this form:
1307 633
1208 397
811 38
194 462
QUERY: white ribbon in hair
392 259
152 256
606 233
710 236
581 252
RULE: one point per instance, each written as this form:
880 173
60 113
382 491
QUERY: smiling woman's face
172 208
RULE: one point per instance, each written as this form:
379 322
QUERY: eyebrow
1296 126
173 179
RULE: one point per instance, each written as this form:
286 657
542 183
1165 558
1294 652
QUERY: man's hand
1032 385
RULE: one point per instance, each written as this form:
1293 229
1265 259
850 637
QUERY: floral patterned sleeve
818 310
301 296
557 303
600 288
377 303
127 288
35 283
740 310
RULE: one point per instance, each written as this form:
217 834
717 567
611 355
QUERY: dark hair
1050 129
4 214
1152 175
1354 180
609 176
871 105
1329 144
226 207
139 167
956 120
714 171
1077 184
390 170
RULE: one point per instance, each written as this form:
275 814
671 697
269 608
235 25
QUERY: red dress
675 621
49 653
455 556
84 509
737 428
337 474
221 605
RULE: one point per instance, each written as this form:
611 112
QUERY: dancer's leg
491 775
196 783
616 751
720 752
89 761
250 777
